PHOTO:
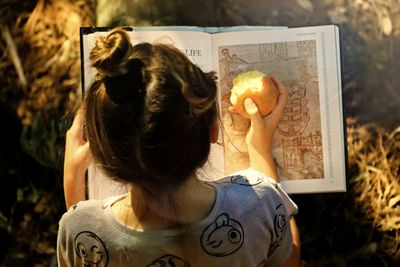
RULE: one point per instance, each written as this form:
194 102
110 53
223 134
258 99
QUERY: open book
309 145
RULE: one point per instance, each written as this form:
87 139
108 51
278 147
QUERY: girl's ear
214 130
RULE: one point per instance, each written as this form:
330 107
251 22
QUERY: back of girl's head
148 112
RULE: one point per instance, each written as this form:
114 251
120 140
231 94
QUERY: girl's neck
189 203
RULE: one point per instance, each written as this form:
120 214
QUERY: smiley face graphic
246 181
280 229
91 249
280 226
169 261
222 237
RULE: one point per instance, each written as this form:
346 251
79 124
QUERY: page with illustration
309 145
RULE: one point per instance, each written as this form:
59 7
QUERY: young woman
149 118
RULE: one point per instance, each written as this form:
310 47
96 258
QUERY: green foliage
41 141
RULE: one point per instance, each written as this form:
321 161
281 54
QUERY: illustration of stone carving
280 50
295 118
303 155
227 59
306 48
297 146
266 53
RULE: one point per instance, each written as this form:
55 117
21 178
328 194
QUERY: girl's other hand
77 153
76 161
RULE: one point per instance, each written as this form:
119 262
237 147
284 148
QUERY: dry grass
40 79
48 43
375 155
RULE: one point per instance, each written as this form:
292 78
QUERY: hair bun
111 53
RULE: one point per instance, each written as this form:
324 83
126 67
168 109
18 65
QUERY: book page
196 45
308 145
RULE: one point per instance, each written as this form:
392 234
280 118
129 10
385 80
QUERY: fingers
279 85
253 112
277 112
76 130
79 119
232 109
282 91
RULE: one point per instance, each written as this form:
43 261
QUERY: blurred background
40 83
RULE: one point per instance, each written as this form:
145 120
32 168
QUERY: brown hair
148 112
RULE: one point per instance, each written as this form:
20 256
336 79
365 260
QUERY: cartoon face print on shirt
222 237
280 225
169 261
246 181
280 228
91 249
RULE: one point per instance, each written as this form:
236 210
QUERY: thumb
252 110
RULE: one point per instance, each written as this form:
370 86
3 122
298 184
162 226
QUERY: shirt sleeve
290 206
62 255
253 177
281 245
278 209
65 248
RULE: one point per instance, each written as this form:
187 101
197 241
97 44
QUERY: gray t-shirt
247 226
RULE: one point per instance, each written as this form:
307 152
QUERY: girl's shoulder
247 179
254 189
87 209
